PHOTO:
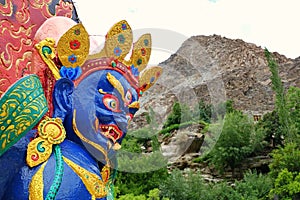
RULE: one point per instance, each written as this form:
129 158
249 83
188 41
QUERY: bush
203 112
287 186
293 106
180 114
183 187
287 157
254 186
238 139
271 126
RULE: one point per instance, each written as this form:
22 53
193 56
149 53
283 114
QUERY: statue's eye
128 97
111 102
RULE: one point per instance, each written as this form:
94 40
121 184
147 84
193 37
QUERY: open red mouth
111 131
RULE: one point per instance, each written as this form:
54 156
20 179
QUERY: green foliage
287 185
132 144
153 195
280 103
287 157
270 125
222 191
221 109
238 139
140 172
175 116
192 187
178 186
175 127
293 106
139 183
254 186
132 197
203 111
180 114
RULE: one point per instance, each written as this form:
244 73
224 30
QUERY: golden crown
75 62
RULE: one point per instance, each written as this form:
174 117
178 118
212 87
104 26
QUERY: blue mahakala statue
63 120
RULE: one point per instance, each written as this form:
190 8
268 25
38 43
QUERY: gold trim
36 186
47 58
135 104
75 42
96 146
116 84
92 182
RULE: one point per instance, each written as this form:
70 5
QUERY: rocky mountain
215 69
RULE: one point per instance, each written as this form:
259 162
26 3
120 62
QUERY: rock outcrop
215 69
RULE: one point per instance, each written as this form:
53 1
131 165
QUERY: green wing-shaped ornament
21 108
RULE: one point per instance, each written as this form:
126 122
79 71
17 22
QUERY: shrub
287 186
236 142
287 157
184 187
254 186
180 114
271 126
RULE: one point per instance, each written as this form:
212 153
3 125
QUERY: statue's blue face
104 103
116 102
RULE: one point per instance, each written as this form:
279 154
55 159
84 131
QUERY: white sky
268 23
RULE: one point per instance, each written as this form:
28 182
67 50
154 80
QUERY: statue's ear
62 98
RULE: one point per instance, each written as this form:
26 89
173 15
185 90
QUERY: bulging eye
128 97
111 102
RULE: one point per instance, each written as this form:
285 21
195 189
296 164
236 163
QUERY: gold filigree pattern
105 173
19 21
51 131
73 46
118 42
21 107
149 76
92 182
7 8
47 52
141 52
36 186
22 14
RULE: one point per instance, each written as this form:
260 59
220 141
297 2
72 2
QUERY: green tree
280 103
180 114
235 143
270 125
293 106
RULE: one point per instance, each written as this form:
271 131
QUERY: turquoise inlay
59 171
46 50
40 148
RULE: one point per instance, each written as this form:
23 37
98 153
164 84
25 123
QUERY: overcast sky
267 23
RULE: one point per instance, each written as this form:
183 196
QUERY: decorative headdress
73 54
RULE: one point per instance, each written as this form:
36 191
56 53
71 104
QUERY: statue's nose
121 122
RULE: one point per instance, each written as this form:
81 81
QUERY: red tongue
112 133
